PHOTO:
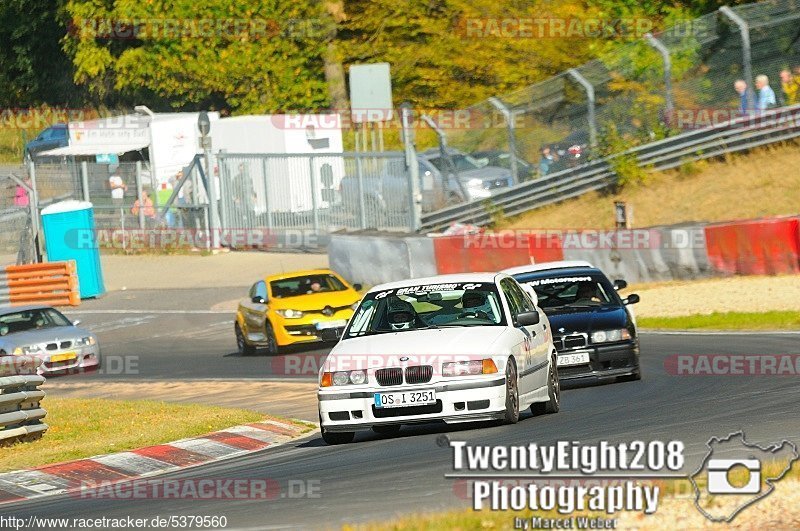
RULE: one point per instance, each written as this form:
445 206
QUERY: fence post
664 51
85 181
314 205
512 138
574 74
415 206
34 204
139 193
362 215
264 164
747 65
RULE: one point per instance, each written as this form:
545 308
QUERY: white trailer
287 183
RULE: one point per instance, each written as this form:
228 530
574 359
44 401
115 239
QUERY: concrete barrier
371 259
754 247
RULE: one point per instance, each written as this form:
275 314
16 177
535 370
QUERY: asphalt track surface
377 478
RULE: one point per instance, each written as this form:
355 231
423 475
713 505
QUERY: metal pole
589 103
512 137
223 190
747 65
85 180
412 165
361 202
139 193
34 202
445 156
664 51
266 195
314 206
212 195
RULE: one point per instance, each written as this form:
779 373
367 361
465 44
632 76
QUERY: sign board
203 123
370 93
107 158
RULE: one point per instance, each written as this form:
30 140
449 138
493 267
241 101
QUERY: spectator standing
766 96
545 161
21 198
146 205
740 86
789 87
118 187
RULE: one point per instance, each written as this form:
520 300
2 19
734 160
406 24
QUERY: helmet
401 314
473 299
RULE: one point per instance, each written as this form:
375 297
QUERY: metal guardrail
21 416
727 137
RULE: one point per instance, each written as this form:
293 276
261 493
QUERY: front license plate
68 356
405 399
575 358
331 324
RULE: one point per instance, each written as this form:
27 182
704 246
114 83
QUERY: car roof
547 266
301 273
455 278
14 309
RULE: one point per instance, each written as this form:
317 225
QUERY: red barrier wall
545 248
479 252
759 247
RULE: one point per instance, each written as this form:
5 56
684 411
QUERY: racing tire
242 346
512 394
553 403
391 429
271 340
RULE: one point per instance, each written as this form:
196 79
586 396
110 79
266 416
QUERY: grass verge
82 428
773 320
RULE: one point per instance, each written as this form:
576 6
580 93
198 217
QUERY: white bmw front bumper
351 408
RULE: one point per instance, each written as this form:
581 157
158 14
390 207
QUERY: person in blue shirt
766 96
741 88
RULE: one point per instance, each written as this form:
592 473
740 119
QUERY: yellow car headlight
290 314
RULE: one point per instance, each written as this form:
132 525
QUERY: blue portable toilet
69 235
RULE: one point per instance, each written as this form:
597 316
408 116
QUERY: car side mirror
76 322
258 299
528 318
357 286
330 335
631 299
620 284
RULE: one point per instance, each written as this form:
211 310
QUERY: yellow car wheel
244 348
272 341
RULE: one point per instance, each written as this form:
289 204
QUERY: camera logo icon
722 472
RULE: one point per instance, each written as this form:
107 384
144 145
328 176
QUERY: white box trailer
287 183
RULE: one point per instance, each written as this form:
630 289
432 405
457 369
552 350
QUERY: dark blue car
51 138
594 331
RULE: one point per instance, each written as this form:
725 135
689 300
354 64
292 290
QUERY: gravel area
741 294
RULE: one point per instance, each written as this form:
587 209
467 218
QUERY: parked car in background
502 159
43 332
51 138
477 178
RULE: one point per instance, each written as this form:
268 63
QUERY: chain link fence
651 88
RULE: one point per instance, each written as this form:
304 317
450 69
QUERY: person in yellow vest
790 87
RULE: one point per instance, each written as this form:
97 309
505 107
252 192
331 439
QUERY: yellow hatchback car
293 308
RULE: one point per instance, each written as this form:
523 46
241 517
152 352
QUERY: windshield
571 292
427 306
461 162
305 285
27 320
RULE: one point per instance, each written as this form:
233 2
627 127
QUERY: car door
253 312
524 336
539 344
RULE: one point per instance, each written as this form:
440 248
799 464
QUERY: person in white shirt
118 187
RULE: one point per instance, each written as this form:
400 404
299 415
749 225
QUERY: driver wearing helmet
401 315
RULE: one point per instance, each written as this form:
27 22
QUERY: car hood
420 346
34 337
315 301
485 174
608 318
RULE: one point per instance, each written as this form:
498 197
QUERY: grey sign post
204 125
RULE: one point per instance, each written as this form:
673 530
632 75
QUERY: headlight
608 336
468 368
86 341
25 350
290 314
343 378
475 183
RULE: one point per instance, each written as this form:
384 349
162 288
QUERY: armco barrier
21 416
52 283
757 247
373 260
480 252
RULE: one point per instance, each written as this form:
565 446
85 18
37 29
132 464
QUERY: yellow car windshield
305 285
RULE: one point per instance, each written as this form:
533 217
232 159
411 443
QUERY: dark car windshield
427 306
305 285
27 320
461 162
575 291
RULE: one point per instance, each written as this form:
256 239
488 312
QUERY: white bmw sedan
457 348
